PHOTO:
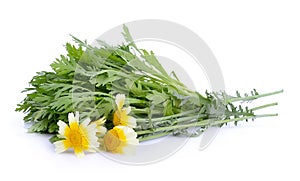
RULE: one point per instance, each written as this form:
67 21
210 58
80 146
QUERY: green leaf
126 34
135 88
55 138
157 97
74 52
142 66
61 103
53 127
152 60
40 127
168 108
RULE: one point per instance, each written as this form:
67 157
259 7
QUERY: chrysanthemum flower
121 116
81 137
120 139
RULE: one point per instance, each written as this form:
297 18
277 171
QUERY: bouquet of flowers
112 97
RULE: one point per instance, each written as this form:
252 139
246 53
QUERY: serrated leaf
168 108
39 127
152 60
157 97
142 66
127 36
53 127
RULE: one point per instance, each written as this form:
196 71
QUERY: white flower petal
126 129
120 99
101 129
77 115
131 135
127 109
131 122
92 127
129 149
133 141
62 127
91 135
71 116
100 121
86 122
59 146
130 140
94 144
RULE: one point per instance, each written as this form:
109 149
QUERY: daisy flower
120 139
121 116
81 137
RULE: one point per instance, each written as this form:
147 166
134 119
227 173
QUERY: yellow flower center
114 140
75 138
120 118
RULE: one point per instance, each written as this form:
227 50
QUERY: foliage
87 78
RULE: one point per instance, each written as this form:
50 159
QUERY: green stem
145 111
253 97
264 106
151 84
241 118
145 138
178 120
184 119
90 93
168 117
136 101
207 122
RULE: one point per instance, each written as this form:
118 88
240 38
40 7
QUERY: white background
257 45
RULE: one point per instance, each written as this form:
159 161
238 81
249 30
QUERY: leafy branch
86 79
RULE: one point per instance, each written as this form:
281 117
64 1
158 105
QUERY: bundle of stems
88 78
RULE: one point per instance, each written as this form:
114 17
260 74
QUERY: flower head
81 137
120 139
121 116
